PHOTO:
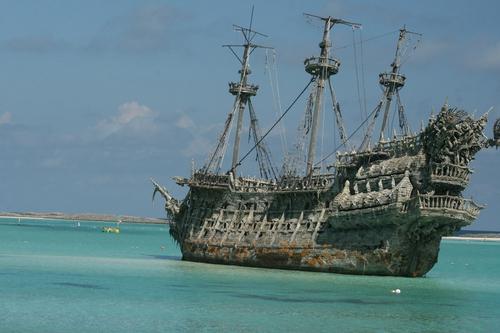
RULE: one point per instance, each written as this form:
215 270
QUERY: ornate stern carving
450 142
453 137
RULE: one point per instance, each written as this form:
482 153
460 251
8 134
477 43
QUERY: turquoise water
58 277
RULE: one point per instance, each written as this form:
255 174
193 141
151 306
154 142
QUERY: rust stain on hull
307 259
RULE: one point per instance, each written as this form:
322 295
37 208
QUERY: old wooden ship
381 209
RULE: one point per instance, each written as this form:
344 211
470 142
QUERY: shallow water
58 277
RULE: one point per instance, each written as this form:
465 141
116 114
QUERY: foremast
242 92
321 68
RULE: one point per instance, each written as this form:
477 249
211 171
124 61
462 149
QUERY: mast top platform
242 89
394 80
315 66
324 66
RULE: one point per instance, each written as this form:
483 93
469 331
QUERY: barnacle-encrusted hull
383 212
324 258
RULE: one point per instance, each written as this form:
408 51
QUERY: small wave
80 285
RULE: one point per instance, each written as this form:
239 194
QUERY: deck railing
317 182
446 172
439 202
388 148
245 184
210 179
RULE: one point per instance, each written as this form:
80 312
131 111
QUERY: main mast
321 69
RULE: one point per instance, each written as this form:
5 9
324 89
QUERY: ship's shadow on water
313 300
80 285
164 257
355 301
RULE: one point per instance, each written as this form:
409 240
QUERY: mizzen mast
391 82
321 68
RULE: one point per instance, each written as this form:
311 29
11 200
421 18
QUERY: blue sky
98 96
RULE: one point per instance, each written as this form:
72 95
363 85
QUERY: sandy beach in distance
22 217
480 239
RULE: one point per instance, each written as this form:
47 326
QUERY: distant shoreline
493 238
83 217
481 236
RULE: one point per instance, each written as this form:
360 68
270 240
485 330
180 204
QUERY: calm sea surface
58 277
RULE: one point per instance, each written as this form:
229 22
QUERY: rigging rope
226 142
365 112
334 137
296 158
275 123
219 152
403 123
322 132
263 154
405 54
272 71
366 40
395 108
276 79
356 72
368 133
338 114
348 138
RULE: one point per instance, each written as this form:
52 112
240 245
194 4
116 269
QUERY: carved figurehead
454 137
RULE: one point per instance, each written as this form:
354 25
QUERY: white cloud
184 122
491 58
132 117
147 28
430 49
5 118
199 146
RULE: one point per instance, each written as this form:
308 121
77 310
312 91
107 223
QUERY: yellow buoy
114 230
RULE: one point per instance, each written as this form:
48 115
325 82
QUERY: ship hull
318 259
395 239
